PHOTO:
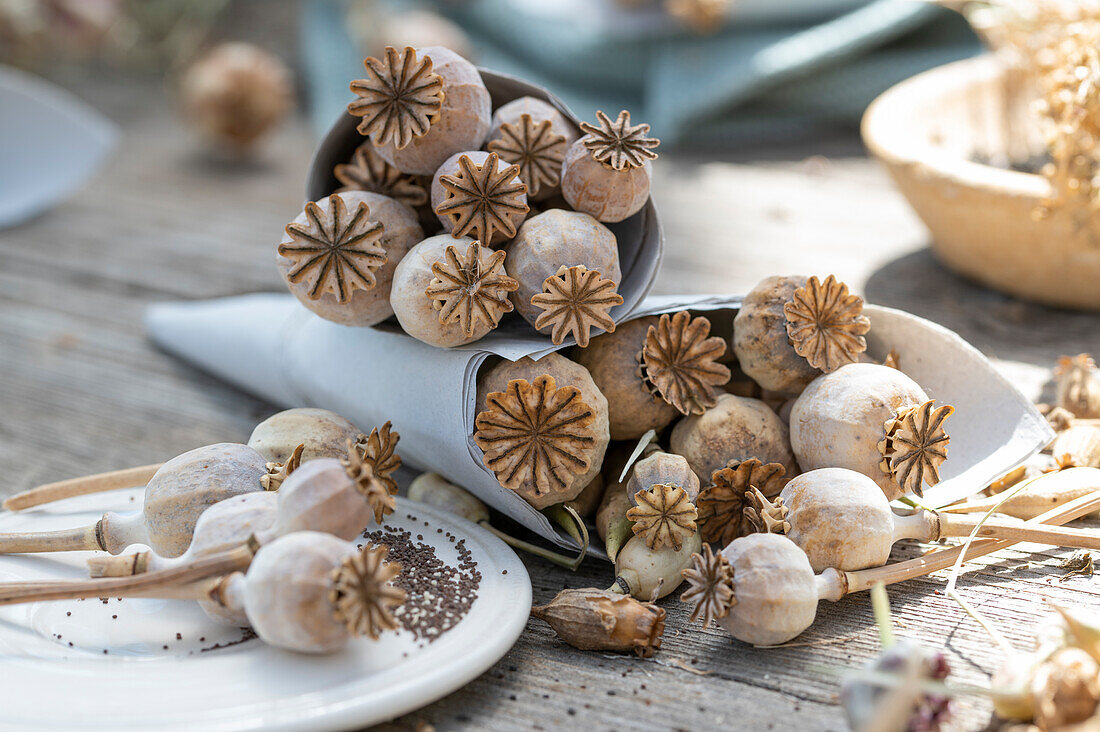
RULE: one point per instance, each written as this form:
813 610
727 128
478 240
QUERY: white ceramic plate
54 672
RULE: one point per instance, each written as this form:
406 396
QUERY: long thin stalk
997 528
82 538
178 582
538 551
99 483
935 561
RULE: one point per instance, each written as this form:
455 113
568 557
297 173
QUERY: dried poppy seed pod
612 359
556 239
338 497
175 497
449 292
775 590
736 428
1078 445
339 255
310 592
650 574
601 620
662 467
606 173
447 111
1065 689
478 194
182 490
1077 386
321 433
790 329
554 397
722 504
841 519
224 526
874 420
235 93
679 362
534 135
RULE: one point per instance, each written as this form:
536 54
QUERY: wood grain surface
82 390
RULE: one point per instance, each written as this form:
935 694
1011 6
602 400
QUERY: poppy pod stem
98 483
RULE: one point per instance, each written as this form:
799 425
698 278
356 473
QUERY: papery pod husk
600 620
1081 443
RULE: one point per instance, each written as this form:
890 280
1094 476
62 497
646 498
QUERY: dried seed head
826 324
399 100
766 516
575 300
721 505
278 472
369 171
336 252
535 148
702 16
1077 386
482 200
1066 688
367 483
599 620
378 451
470 289
618 145
915 445
710 586
680 364
536 435
361 594
664 516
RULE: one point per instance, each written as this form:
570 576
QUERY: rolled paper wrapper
639 238
269 345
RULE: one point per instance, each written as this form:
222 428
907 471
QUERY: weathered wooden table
81 390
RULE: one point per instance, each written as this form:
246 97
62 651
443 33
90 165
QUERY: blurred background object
235 93
1000 155
701 72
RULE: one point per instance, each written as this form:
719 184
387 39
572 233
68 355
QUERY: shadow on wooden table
999 325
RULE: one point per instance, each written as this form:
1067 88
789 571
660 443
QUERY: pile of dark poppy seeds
438 595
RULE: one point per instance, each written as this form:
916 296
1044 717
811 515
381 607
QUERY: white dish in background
138 684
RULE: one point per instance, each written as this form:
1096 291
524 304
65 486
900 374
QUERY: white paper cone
271 346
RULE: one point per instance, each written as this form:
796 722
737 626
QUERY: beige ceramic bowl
926 130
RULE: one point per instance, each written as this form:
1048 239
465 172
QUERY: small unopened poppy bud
599 620
1066 688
